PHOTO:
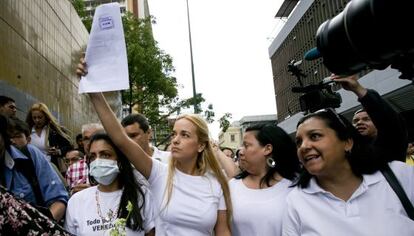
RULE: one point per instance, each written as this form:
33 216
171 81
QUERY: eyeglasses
331 112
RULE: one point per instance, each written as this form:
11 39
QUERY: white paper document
106 55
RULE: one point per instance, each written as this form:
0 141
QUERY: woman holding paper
191 194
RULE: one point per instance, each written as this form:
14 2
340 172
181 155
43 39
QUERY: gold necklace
110 215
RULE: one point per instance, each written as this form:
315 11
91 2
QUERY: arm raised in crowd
135 154
228 165
391 141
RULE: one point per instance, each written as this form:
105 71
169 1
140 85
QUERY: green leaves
120 223
224 122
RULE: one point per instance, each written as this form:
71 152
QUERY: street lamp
196 110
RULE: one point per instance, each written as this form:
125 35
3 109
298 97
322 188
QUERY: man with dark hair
79 142
30 176
228 152
364 124
386 132
138 129
7 106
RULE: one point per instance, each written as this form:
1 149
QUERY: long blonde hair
51 120
206 161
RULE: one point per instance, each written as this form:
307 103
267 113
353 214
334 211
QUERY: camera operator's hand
350 83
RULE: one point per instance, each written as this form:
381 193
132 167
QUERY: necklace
110 215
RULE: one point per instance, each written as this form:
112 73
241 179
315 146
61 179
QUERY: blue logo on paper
106 22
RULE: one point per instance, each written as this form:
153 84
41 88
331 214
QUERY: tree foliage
152 85
224 122
79 6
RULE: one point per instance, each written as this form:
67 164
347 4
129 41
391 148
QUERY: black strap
27 168
396 186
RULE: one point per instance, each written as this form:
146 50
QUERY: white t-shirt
162 156
258 211
82 216
373 209
158 155
40 141
194 202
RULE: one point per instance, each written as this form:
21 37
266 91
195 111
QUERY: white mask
104 171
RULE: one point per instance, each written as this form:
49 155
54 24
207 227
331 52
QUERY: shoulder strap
396 186
27 168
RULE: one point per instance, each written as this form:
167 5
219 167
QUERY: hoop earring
270 162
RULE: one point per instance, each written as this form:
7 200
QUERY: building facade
233 137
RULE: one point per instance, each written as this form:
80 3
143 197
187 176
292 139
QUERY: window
232 138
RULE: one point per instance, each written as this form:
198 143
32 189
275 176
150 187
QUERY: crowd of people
332 178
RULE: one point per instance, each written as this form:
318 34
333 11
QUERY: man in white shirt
138 129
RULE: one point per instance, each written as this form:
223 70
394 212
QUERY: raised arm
391 141
135 154
226 163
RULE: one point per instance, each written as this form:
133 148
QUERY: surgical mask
104 171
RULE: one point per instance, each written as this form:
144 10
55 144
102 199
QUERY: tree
224 122
152 85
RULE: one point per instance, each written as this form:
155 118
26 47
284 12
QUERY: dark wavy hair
132 188
284 152
361 157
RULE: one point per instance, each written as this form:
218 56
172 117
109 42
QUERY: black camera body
315 96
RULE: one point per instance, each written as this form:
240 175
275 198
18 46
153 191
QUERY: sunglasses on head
332 113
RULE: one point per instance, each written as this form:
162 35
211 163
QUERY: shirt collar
14 154
367 180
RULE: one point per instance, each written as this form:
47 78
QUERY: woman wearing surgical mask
94 210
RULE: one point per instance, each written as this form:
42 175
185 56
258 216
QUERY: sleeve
222 202
405 175
50 184
392 138
156 171
55 139
148 212
291 221
70 218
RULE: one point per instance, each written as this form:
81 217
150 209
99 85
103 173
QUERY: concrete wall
40 44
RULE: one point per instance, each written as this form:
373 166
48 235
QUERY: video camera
315 96
368 33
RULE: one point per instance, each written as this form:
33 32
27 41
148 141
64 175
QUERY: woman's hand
53 151
81 69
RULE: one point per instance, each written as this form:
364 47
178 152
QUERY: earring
271 162
347 153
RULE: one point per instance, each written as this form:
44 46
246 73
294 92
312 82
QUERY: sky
230 41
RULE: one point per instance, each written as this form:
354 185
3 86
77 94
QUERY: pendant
110 215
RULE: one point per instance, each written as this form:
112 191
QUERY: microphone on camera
312 54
